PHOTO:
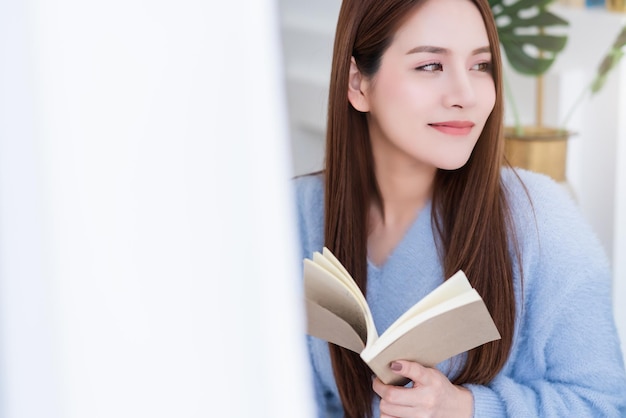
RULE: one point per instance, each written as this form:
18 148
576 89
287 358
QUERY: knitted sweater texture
565 360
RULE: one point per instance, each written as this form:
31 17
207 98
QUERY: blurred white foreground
147 257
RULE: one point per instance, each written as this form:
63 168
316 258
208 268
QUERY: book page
324 289
340 333
457 284
447 307
329 263
463 324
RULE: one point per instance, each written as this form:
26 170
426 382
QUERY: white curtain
148 265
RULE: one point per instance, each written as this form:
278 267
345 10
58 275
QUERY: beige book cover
450 320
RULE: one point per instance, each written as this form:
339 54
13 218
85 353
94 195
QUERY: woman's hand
432 394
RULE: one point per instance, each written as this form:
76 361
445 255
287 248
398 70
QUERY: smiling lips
453 127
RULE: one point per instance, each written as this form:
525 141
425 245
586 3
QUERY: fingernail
395 366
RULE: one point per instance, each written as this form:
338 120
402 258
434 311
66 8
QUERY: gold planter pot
616 5
539 149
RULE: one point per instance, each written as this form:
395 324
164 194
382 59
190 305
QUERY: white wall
147 251
308 32
619 227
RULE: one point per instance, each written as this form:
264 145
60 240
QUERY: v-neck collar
423 216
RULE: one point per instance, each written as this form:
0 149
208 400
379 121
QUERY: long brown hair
470 213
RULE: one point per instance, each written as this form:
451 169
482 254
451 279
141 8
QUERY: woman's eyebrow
444 51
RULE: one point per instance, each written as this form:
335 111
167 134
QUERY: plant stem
539 100
509 94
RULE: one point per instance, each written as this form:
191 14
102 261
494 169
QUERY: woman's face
433 92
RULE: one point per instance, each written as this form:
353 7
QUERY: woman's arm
566 359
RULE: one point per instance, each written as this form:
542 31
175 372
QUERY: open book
450 320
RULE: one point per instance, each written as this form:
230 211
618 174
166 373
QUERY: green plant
532 36
529 36
608 63
524 30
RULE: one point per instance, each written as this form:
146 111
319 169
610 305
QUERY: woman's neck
405 188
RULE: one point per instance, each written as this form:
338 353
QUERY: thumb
409 369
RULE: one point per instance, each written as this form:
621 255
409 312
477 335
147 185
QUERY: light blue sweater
565 360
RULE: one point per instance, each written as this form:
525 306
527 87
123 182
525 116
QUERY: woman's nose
460 91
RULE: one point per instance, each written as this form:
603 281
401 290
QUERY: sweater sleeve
577 354
566 358
318 389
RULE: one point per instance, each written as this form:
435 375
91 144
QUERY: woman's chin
453 164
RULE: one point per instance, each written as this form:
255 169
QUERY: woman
414 190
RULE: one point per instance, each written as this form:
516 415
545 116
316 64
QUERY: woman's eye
482 66
435 66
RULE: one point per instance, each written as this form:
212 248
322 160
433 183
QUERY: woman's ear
357 88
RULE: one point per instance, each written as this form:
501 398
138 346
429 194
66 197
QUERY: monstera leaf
526 33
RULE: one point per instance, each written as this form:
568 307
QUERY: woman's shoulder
515 175
309 190
309 195
546 213
538 198
309 182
